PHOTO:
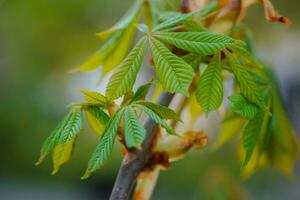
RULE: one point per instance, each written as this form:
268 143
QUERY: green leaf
203 43
130 16
249 88
283 146
111 52
134 131
105 145
232 125
178 18
94 98
193 26
156 118
242 106
61 154
123 79
97 59
250 136
141 92
163 111
194 60
62 134
173 72
97 119
209 92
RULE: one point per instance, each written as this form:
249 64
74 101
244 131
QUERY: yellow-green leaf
97 119
61 154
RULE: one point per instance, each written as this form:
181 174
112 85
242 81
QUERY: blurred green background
41 40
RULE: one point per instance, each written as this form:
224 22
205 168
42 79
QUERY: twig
135 160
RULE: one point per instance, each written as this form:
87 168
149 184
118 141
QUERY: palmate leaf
249 88
243 107
97 119
203 43
123 79
250 136
134 131
105 145
66 131
163 111
156 118
173 72
209 92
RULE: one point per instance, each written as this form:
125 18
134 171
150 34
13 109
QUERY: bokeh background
41 40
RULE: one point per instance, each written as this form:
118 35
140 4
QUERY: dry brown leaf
272 15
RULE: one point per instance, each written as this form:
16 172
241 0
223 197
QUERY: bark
135 160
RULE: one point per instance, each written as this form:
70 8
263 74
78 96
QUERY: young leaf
97 119
232 125
249 88
97 59
132 13
178 18
250 136
134 131
112 53
94 97
105 145
61 154
194 60
243 107
203 43
193 26
209 92
156 118
173 72
123 79
141 92
63 133
163 111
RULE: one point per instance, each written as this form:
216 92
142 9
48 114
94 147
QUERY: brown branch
135 160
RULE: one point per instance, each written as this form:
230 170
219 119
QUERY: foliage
206 60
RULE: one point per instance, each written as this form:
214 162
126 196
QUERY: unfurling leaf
105 145
65 132
173 72
94 98
61 154
203 43
209 92
141 92
163 111
123 79
134 131
124 22
156 118
111 52
178 18
243 107
232 125
97 119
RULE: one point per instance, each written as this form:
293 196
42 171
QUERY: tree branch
136 159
